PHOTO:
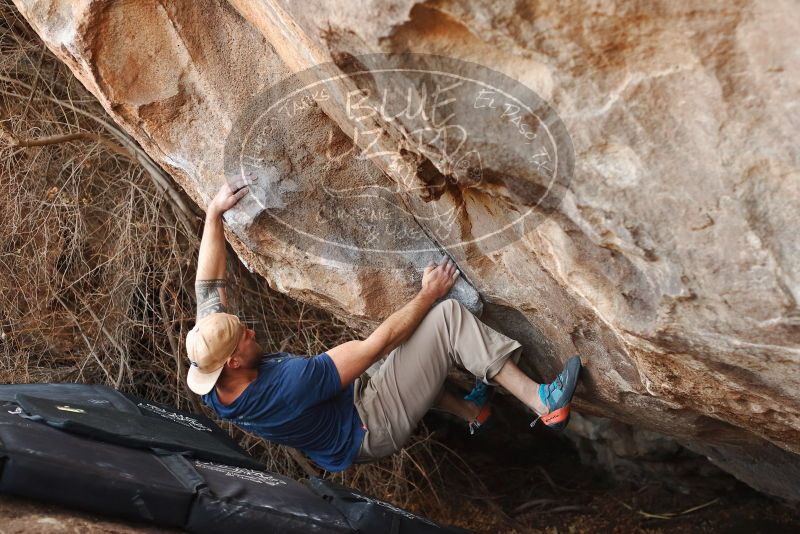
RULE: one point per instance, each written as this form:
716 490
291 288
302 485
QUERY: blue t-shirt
299 402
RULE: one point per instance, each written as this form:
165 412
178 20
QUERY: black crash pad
234 499
44 463
136 429
368 515
140 460
92 394
194 421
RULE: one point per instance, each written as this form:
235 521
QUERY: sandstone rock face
671 263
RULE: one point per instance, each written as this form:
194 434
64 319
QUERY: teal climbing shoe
557 395
480 396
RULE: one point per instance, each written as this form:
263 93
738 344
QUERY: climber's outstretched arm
354 357
210 285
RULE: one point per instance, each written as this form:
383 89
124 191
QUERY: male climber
326 405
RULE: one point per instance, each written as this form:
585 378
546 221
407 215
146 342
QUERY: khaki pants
393 400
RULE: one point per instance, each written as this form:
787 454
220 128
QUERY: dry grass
94 261
97 251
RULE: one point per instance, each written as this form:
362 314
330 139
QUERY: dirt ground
536 484
18 516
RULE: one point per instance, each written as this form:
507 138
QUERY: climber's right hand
438 278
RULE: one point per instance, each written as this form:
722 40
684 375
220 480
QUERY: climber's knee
448 305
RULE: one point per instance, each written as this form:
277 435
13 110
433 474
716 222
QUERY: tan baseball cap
209 344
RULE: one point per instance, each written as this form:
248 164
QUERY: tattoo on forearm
209 299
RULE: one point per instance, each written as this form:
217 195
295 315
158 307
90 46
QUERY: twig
38 71
531 504
421 470
304 464
123 355
85 339
669 515
66 138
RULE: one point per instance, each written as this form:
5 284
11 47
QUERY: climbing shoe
557 395
480 396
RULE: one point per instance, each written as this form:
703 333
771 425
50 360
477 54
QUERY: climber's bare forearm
436 282
354 357
210 287
401 324
211 259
